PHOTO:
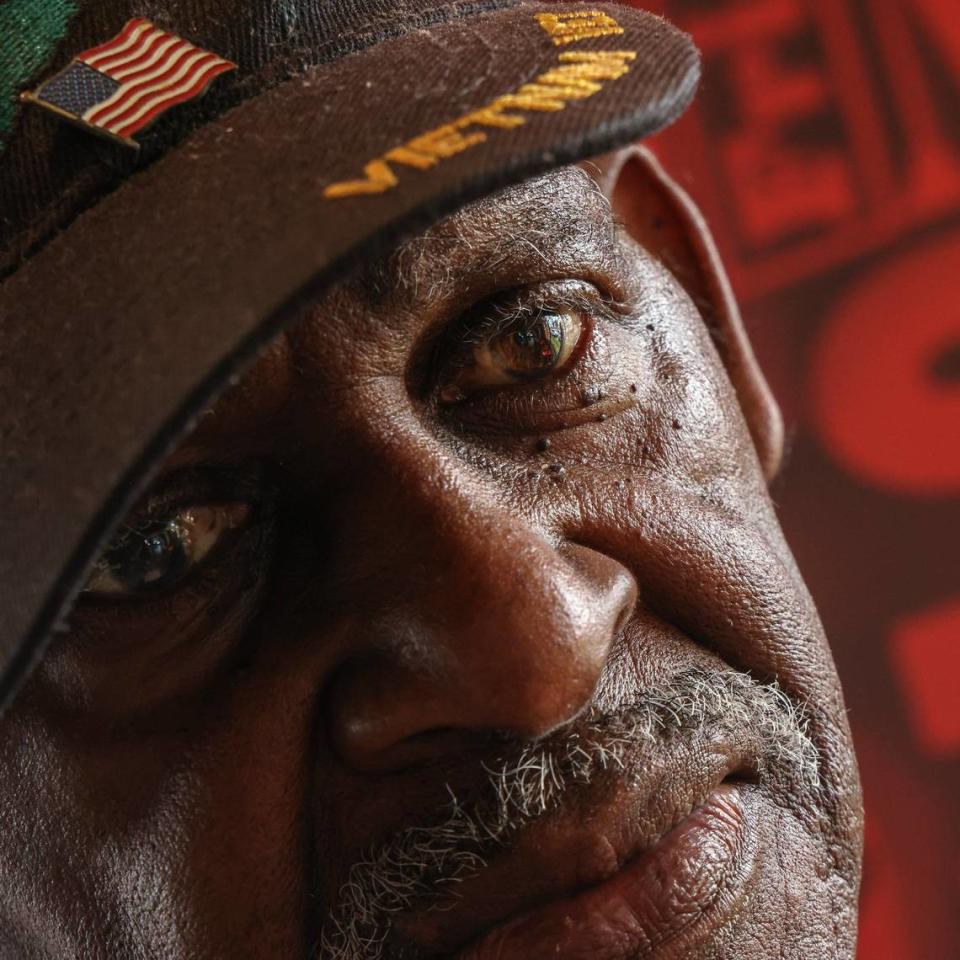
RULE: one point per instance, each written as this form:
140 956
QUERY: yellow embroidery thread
569 27
377 178
577 76
575 79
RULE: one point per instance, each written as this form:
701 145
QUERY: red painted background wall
825 149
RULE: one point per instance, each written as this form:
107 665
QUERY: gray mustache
419 865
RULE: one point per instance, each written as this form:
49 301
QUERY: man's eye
159 552
522 349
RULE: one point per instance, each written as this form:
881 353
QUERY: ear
660 215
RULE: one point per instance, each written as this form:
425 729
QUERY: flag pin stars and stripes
121 86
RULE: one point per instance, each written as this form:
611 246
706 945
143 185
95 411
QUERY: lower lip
663 904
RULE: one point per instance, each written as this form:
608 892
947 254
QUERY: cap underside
130 322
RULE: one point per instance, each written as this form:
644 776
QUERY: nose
480 625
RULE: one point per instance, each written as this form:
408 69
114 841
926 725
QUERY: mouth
634 834
661 904
634 873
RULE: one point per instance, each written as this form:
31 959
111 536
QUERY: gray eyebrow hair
399 270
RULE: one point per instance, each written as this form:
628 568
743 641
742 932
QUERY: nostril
474 652
448 746
747 772
428 747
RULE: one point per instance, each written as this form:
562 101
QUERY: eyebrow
565 209
576 207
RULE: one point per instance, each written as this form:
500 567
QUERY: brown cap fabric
50 172
121 328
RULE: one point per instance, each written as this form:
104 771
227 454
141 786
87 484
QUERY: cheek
154 661
190 838
658 406
801 906
706 443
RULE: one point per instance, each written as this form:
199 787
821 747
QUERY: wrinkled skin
190 776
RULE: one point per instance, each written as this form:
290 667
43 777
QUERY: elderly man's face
463 627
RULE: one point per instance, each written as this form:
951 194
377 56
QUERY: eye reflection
525 348
159 552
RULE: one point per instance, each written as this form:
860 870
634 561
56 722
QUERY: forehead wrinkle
531 217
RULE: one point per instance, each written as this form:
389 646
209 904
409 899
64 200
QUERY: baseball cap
153 239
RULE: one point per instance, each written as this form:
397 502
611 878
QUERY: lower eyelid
584 395
552 421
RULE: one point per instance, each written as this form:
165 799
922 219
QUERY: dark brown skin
190 774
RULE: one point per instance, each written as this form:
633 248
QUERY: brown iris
523 349
159 552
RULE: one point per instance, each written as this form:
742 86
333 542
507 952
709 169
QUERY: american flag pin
123 85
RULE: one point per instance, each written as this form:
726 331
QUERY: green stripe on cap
29 33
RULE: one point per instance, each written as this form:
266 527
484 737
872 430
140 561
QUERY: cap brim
128 324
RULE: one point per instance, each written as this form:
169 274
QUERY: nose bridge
485 584
499 627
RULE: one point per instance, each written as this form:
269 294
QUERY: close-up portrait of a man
389 568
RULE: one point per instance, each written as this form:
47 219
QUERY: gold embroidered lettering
576 79
566 28
597 64
572 85
429 148
493 116
531 96
410 158
379 178
577 76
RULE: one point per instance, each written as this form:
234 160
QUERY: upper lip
588 839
